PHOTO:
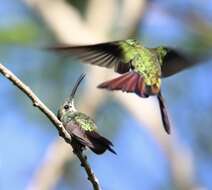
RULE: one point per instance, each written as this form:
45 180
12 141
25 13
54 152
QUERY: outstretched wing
107 55
175 62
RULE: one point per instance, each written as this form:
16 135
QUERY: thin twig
91 176
51 116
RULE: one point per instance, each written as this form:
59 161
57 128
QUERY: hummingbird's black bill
82 76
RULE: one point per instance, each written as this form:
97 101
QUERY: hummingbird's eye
66 107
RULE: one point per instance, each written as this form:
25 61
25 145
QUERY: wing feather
91 139
175 62
104 54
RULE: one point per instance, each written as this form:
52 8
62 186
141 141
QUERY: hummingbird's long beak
76 86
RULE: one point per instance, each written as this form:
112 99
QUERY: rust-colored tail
130 82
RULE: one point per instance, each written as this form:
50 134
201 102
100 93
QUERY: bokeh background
32 156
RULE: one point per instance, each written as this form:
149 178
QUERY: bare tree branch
53 11
130 13
96 19
51 116
85 164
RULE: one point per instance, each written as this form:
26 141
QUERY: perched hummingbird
81 127
141 68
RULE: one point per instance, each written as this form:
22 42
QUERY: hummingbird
141 68
81 127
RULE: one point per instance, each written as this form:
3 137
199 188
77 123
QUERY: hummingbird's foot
86 158
76 149
60 133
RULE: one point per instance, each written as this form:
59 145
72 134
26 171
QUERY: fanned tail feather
98 143
91 139
130 82
164 113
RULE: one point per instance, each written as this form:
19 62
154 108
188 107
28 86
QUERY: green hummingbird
82 128
141 68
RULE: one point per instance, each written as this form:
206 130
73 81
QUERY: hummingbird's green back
79 119
147 62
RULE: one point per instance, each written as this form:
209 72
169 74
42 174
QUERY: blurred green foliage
23 33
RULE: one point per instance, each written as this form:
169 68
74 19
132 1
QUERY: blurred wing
105 54
175 62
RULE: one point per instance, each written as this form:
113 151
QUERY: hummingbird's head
68 105
161 52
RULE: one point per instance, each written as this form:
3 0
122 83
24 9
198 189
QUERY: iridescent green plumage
145 61
141 68
79 119
81 127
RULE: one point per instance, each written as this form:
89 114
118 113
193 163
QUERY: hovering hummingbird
141 68
82 128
